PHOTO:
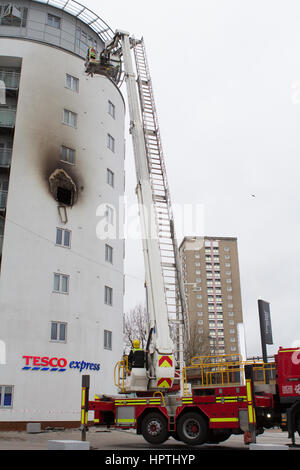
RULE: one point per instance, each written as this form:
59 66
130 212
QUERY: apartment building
212 286
61 175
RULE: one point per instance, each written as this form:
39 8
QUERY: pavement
111 440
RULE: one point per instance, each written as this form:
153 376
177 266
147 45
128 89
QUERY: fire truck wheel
214 437
154 428
192 429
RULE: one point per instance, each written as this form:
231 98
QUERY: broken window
63 188
64 195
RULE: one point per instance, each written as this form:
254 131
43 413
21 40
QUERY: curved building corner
61 167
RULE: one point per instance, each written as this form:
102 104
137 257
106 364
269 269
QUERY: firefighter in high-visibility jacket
92 54
136 358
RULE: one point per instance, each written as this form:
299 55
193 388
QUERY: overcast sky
226 78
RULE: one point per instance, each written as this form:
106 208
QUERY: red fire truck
228 397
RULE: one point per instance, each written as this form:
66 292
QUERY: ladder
170 261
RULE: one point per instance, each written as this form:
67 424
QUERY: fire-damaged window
67 154
13 15
63 187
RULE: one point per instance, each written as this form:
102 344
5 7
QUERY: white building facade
61 176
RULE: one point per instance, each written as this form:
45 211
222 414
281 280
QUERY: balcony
3 199
7 117
11 79
5 157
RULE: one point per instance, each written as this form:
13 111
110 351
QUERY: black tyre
214 437
192 429
155 428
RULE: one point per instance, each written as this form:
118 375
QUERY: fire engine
214 397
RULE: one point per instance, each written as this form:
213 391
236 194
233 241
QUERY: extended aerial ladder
165 292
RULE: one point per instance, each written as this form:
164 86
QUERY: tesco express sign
57 364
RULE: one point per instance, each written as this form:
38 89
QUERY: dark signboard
265 321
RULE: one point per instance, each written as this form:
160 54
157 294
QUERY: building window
70 118
67 154
63 237
61 283
58 332
107 340
110 142
111 109
109 214
11 15
72 83
108 295
110 177
109 254
6 396
53 21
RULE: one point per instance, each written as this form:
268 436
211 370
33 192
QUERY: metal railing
11 79
222 370
3 199
120 372
5 157
7 117
84 14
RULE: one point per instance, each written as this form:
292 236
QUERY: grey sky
226 77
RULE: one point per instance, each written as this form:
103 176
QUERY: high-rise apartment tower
212 285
